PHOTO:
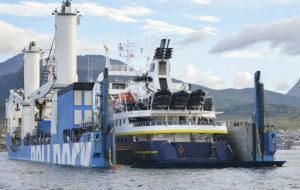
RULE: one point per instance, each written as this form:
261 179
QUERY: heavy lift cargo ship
157 123
51 120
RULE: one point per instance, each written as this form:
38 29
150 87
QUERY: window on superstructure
77 98
89 138
162 69
87 116
87 98
76 135
19 121
77 117
67 135
152 66
118 86
114 96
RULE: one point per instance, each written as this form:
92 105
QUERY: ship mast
107 60
128 51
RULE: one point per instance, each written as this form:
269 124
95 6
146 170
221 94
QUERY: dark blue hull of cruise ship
162 154
157 151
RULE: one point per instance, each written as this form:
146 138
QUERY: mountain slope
7 82
11 65
11 73
281 116
295 91
229 97
235 103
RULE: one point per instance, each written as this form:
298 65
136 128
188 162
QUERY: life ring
97 137
180 149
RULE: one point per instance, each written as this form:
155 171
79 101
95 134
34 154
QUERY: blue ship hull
69 142
87 152
157 151
162 154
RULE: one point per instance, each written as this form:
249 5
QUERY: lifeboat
208 104
161 100
196 99
126 97
179 100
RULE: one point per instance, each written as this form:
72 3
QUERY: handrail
181 122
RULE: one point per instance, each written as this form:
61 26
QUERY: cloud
210 30
166 28
243 79
191 35
201 2
199 36
191 73
242 54
211 81
13 39
192 38
27 8
282 87
205 78
37 9
206 18
122 14
283 34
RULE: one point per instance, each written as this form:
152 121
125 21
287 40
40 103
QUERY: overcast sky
217 43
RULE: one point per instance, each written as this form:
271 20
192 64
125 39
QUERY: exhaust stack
32 57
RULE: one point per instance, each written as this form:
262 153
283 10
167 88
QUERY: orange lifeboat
125 98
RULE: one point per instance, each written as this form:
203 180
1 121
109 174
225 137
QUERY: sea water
30 175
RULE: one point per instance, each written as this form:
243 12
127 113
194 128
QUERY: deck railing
180 122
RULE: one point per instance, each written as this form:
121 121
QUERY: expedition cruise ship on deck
158 119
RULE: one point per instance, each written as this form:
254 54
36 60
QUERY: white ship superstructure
119 76
66 21
155 109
